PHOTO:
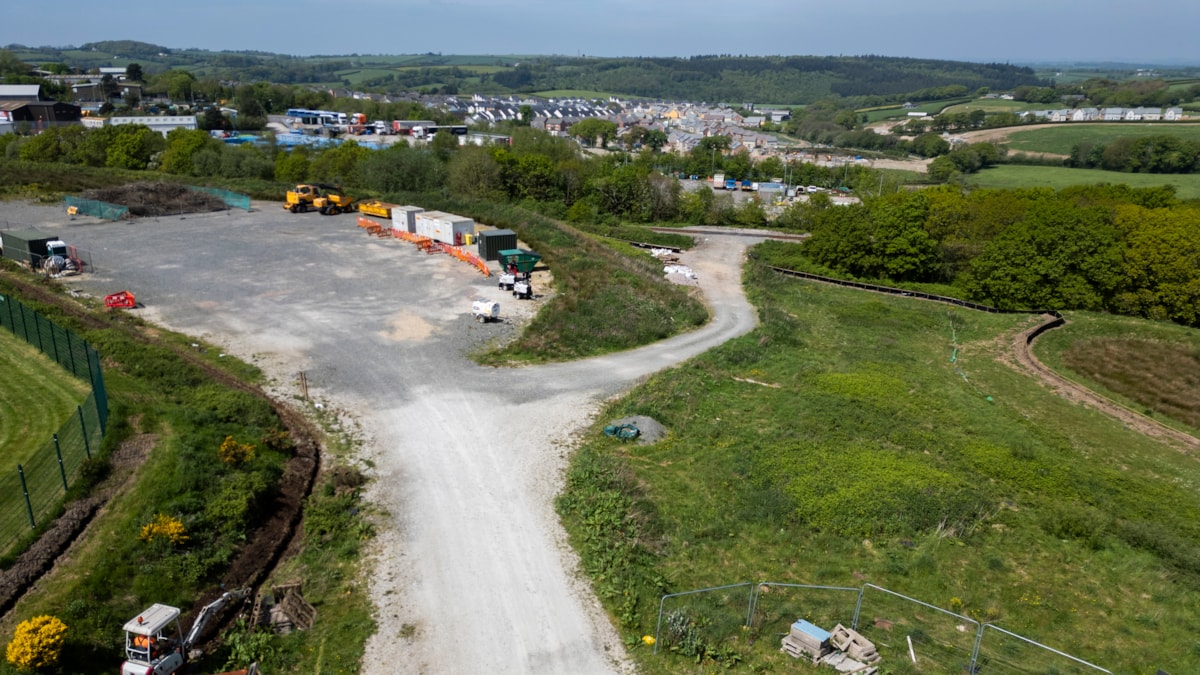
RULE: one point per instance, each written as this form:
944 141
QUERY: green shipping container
491 242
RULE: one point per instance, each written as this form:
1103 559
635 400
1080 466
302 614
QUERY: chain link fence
31 493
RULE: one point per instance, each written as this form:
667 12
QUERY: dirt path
1021 349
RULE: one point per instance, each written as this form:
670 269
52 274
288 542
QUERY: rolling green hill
785 80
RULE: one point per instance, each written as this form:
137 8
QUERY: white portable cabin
404 218
445 227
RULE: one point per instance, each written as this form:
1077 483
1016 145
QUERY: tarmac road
471 570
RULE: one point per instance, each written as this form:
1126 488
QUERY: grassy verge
1008 176
186 406
36 397
858 438
336 526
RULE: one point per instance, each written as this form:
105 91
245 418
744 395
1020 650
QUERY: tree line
1105 247
1150 154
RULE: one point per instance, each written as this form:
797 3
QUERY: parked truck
35 248
718 181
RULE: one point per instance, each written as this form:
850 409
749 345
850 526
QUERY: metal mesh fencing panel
691 622
942 641
99 209
14 518
234 200
1005 653
778 605
50 469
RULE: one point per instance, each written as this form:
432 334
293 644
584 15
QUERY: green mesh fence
234 200
99 209
31 492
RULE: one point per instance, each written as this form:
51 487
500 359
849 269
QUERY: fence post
25 490
61 471
88 355
37 328
71 351
83 427
12 327
54 342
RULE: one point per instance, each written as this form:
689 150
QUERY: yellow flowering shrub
37 643
233 453
164 527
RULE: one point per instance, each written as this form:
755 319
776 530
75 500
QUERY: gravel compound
470 571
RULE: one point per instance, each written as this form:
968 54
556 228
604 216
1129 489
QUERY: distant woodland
784 80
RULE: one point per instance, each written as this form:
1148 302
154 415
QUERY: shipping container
444 227
30 246
491 242
404 218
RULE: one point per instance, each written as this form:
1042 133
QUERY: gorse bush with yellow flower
235 454
164 528
37 643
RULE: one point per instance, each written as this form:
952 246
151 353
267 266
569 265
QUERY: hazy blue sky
971 30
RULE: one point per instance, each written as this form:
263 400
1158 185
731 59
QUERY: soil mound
158 199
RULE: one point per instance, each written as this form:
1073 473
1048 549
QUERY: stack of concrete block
805 639
854 645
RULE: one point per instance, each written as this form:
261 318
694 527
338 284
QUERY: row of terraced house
1140 114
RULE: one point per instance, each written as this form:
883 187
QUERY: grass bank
857 438
184 404
36 397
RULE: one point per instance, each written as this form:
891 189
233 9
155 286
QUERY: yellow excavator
329 200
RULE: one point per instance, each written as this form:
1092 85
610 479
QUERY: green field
1061 139
1187 186
890 112
856 438
36 397
994 105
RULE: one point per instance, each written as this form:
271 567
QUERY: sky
1008 31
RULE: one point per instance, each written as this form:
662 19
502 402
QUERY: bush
37 643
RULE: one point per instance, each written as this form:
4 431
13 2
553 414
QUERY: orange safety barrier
428 245
367 223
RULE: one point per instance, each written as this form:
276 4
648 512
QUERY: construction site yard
470 568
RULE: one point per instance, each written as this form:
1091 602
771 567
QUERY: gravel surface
471 570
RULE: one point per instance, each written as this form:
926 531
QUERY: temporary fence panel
99 209
777 606
708 615
942 641
234 200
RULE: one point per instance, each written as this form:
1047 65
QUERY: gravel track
471 570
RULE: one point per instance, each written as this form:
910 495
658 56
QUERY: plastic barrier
425 244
